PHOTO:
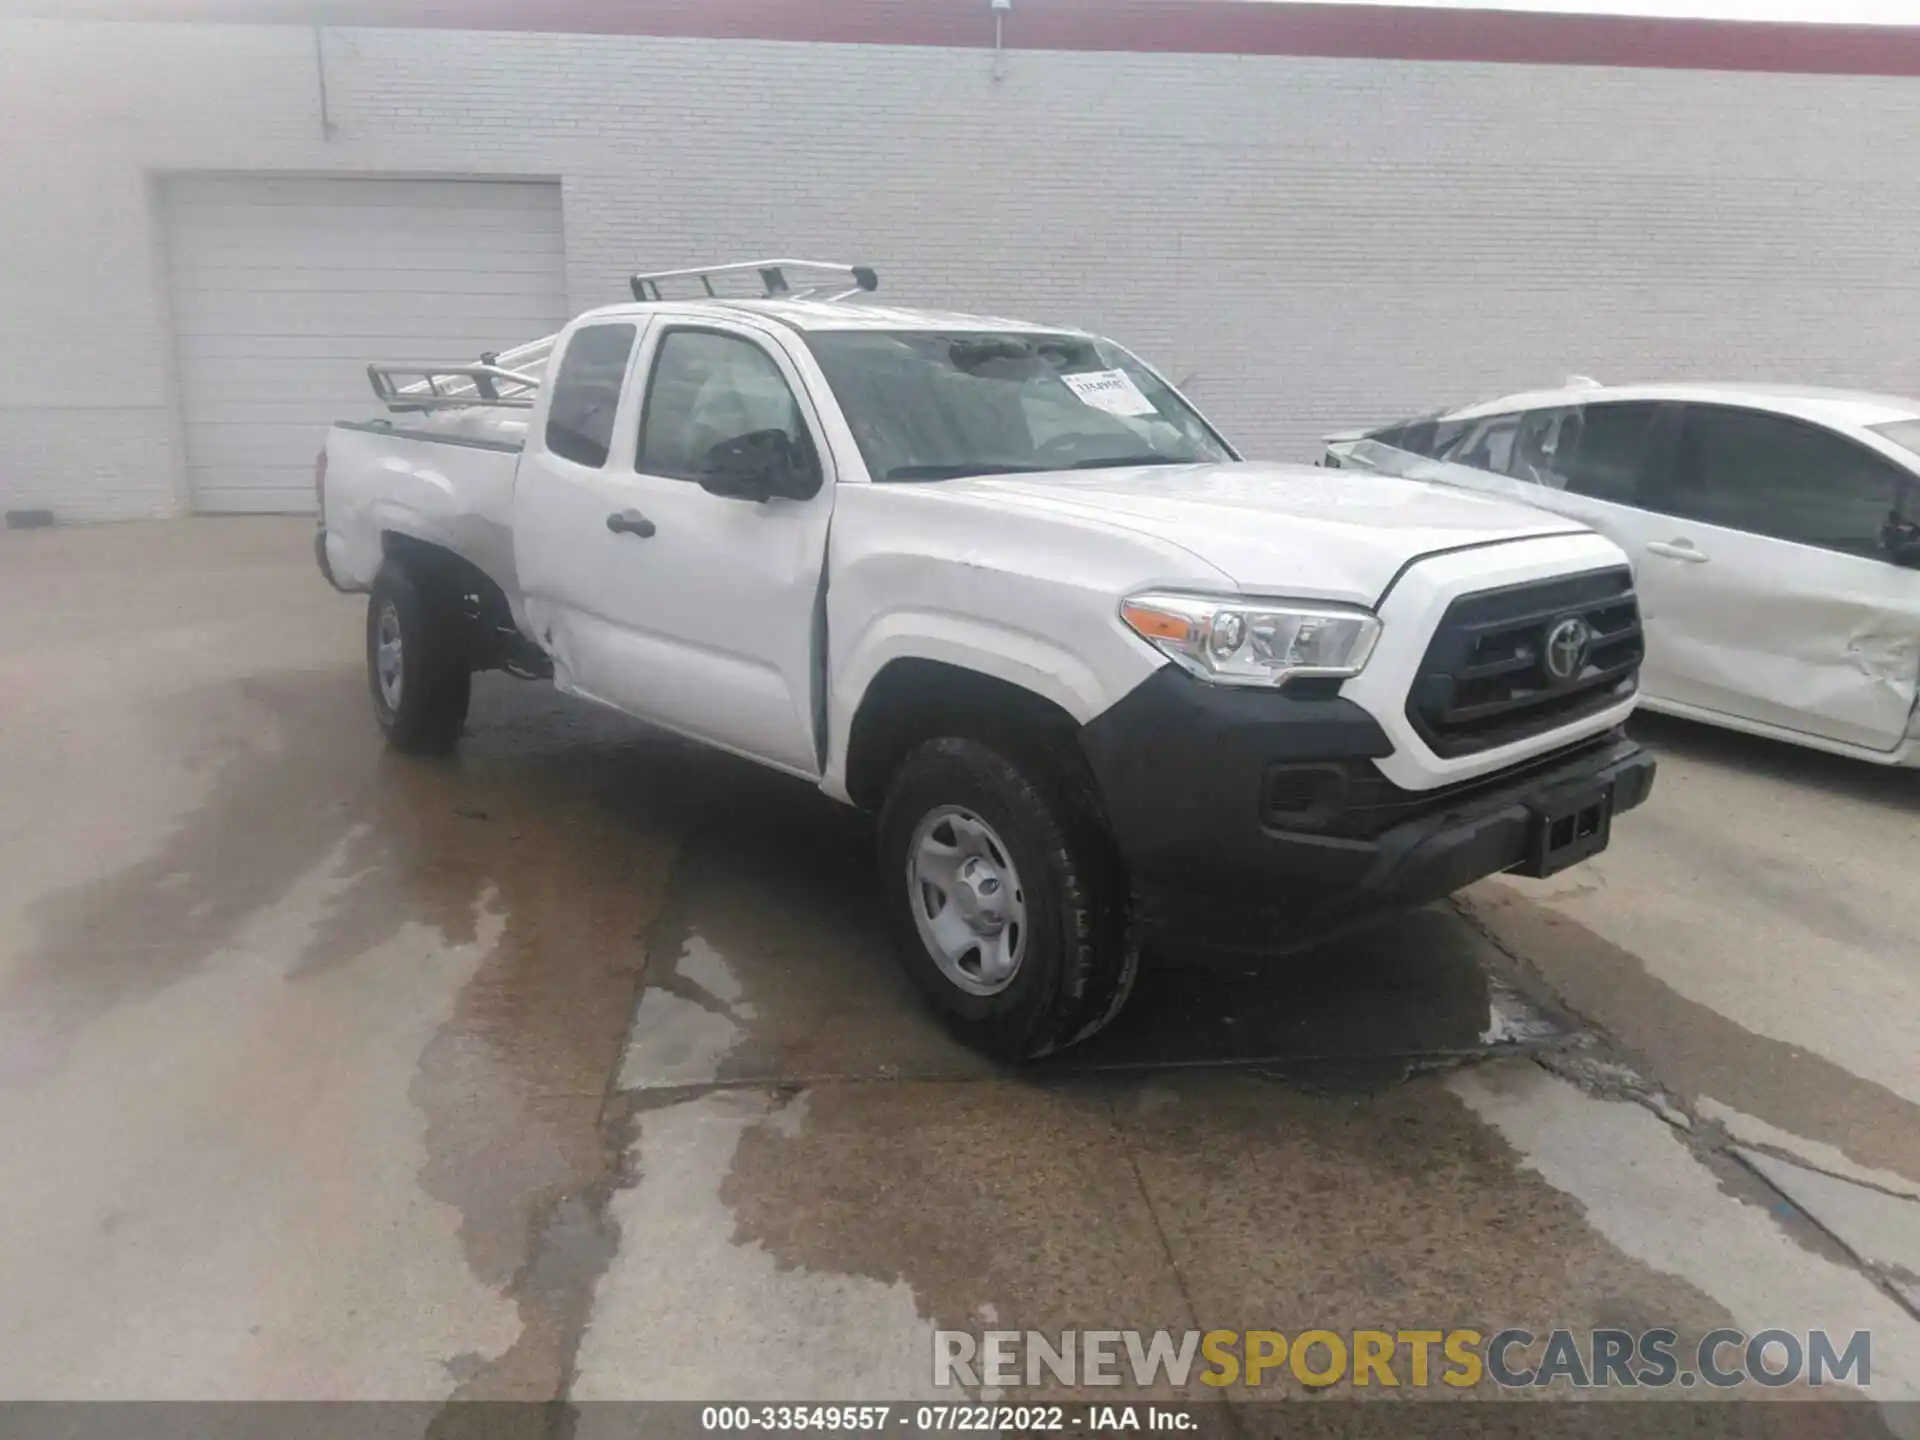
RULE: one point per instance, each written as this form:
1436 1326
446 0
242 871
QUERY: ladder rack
814 278
510 379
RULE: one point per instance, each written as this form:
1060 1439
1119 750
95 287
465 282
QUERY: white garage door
284 289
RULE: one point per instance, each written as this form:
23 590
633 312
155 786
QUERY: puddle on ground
541 851
772 964
1420 986
284 792
1643 1188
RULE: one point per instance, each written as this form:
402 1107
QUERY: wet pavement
576 1065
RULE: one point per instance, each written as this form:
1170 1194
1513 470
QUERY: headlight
1253 642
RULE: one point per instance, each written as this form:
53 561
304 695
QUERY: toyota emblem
1566 650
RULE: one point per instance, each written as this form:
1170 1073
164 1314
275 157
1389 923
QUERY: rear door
1770 595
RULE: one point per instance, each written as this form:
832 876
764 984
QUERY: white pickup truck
1102 680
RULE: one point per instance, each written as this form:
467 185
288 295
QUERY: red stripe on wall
1216 27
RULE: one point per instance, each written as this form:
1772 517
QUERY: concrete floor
575 1066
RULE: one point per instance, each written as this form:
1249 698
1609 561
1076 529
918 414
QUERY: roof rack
509 378
824 275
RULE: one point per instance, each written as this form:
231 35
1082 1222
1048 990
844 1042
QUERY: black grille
1485 679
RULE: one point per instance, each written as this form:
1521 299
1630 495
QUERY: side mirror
760 465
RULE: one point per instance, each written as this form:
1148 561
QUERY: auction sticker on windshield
1110 390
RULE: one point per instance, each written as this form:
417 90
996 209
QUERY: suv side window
709 388
1773 475
586 393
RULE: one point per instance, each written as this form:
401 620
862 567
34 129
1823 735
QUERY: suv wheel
1008 904
417 670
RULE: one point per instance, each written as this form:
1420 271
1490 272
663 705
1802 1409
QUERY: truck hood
1275 529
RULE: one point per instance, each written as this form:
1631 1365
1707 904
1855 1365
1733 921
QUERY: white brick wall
1319 242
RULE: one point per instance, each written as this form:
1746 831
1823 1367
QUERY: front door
689 609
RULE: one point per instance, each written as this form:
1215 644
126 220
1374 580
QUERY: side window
1771 475
586 393
1427 436
1603 450
1540 447
1444 435
1486 444
708 389
1416 437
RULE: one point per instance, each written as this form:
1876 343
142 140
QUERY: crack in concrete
1174 1267
1779 1152
1282 1067
1600 1065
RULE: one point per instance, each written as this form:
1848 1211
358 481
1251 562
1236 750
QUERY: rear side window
1771 475
586 393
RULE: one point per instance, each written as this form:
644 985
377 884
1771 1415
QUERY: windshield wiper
955 472
1122 462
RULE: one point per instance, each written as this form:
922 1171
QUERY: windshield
926 405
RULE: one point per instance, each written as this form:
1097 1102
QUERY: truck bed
445 478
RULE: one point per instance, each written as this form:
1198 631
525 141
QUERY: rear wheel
1008 904
418 669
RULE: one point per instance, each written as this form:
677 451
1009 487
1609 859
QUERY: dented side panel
1810 640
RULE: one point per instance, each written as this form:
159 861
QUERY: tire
423 713
1077 951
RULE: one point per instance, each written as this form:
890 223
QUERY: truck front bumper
1254 822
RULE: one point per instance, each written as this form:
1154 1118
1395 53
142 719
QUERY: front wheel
1008 905
417 669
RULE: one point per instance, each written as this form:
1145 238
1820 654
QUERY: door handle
1677 550
631 522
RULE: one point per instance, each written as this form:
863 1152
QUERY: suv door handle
631 522
1677 550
